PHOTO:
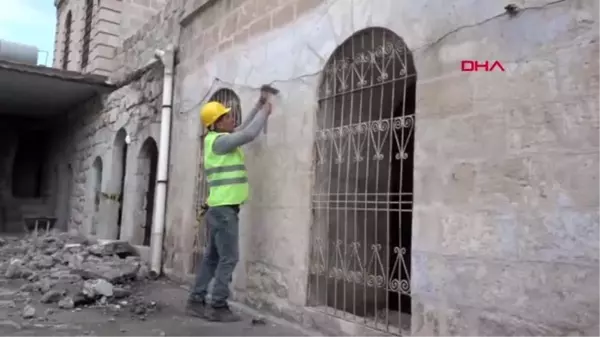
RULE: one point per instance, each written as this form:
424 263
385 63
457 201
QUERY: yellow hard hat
211 111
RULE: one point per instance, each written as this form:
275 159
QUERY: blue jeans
220 256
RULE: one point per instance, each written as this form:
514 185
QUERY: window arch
67 40
362 195
231 100
87 32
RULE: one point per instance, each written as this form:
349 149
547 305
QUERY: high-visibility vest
225 174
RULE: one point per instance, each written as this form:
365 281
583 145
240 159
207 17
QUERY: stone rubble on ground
69 271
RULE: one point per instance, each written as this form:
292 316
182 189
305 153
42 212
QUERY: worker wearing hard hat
228 189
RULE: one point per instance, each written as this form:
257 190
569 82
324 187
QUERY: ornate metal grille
67 45
87 32
230 99
362 198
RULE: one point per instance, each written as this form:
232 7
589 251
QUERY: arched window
67 42
87 32
146 185
231 100
362 194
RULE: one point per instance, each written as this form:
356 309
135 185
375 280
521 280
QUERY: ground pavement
160 313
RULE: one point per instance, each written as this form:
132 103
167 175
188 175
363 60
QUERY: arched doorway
146 183
119 170
231 100
362 198
96 194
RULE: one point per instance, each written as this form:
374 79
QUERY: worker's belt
204 208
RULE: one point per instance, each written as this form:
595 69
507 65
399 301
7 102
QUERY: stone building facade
89 31
392 191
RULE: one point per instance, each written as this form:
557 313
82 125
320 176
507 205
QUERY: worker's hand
268 107
263 99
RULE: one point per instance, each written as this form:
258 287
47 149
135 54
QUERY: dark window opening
87 32
29 165
67 45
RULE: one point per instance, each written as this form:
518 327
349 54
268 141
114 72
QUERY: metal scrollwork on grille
362 194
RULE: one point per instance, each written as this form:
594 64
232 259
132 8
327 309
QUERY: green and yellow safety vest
225 173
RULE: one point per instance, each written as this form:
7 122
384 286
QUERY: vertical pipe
160 198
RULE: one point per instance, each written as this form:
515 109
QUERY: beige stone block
227 26
529 290
428 183
566 234
283 15
304 6
427 227
105 27
248 13
482 234
482 135
505 183
102 64
571 124
530 81
241 37
261 25
107 16
444 96
106 39
578 70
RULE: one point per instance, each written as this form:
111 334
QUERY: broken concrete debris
70 270
28 311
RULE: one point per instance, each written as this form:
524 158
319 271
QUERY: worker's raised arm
262 100
248 119
229 142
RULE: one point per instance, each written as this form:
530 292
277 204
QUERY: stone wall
138 49
505 222
506 216
91 133
136 13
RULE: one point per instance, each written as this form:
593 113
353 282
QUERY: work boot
221 314
196 308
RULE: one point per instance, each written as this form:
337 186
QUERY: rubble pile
70 270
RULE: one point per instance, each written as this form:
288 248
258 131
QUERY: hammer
268 91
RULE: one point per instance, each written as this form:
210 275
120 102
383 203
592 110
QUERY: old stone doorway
117 188
362 198
146 183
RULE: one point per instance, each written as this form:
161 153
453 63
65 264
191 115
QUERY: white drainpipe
160 198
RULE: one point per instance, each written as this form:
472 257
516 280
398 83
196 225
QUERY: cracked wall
505 221
505 217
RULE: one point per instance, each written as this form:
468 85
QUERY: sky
30 22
